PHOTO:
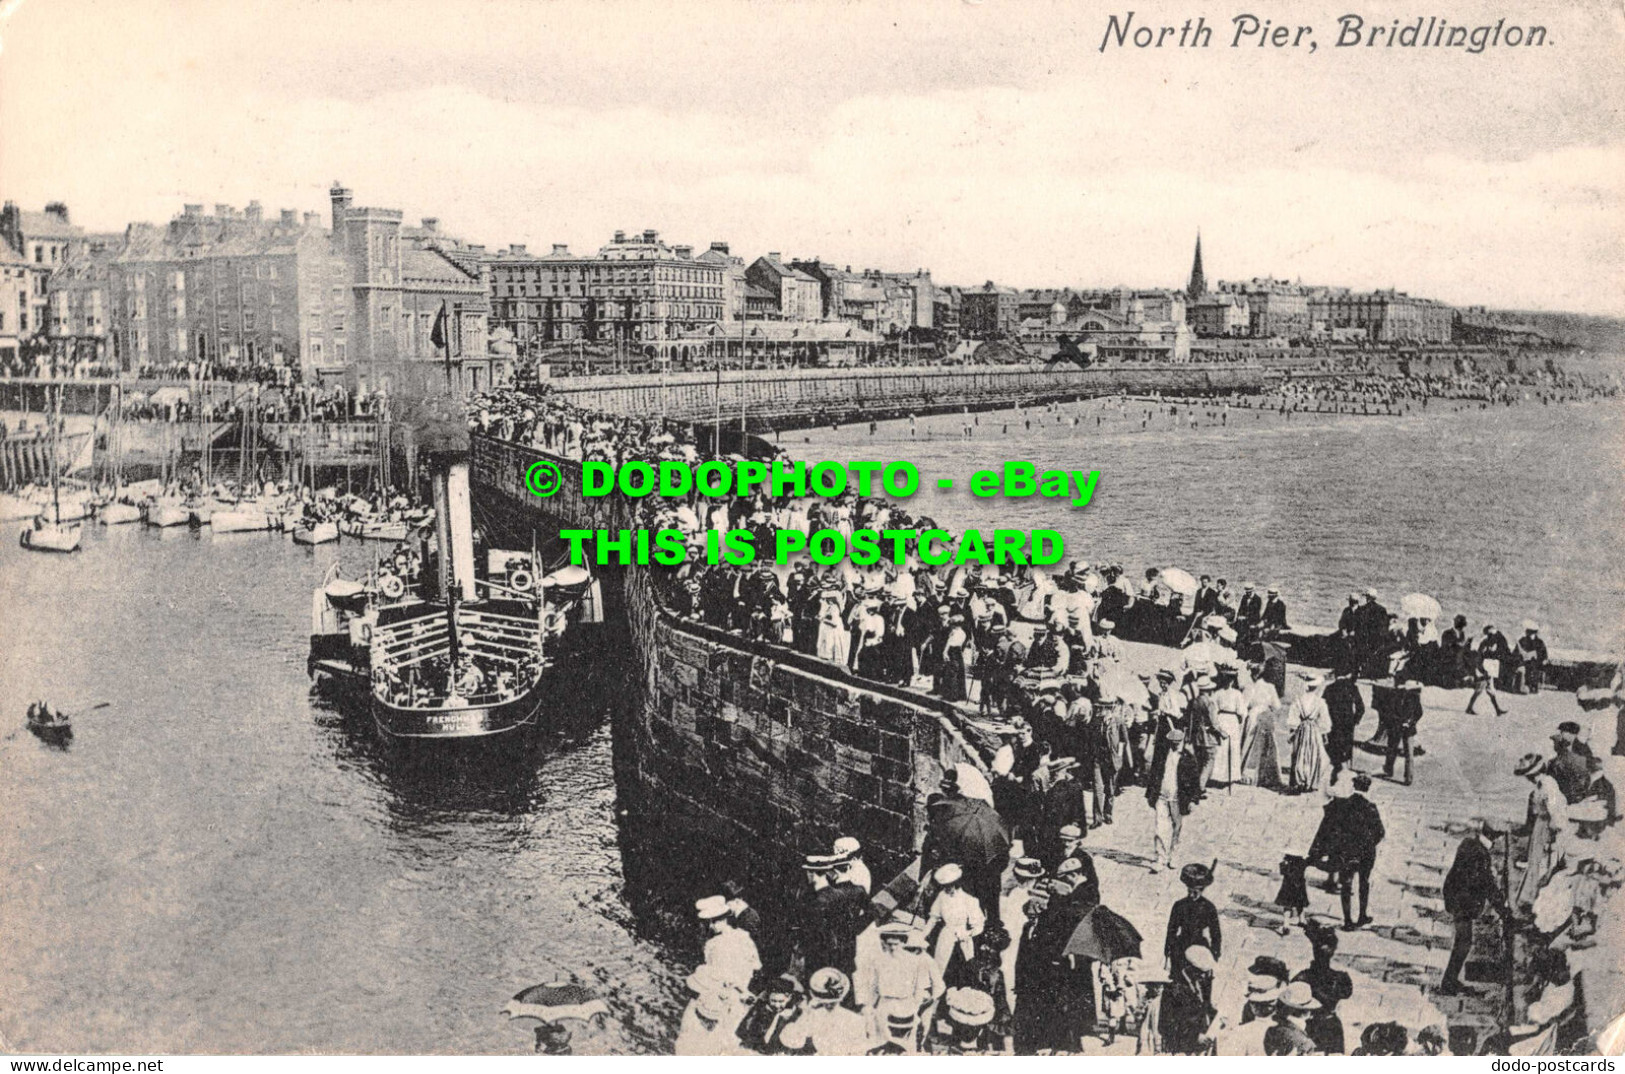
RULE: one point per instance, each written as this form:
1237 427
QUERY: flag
438 334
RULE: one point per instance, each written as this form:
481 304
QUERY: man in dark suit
1570 762
1469 886
1251 609
1274 613
1207 598
1453 653
1346 708
1360 851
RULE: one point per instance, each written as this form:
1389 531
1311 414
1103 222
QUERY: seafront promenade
1464 776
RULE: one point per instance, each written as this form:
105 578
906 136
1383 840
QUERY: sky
982 139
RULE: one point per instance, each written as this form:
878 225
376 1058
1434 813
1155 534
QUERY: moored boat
118 513
242 519
315 533
45 536
471 663
164 513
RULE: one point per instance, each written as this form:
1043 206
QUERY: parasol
561 999
969 832
1419 606
1178 581
972 784
1105 936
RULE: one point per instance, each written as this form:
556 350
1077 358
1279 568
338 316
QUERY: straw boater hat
896 930
711 908
1166 675
819 863
1314 682
1028 869
970 1006
1201 958
948 874
1262 988
1070 831
829 983
1530 627
1530 764
1068 867
1298 996
846 848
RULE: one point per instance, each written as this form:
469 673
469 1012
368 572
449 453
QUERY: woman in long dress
1260 753
1548 820
1308 723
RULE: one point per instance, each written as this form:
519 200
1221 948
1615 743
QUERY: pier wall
765 400
765 748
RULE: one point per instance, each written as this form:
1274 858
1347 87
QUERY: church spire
1198 285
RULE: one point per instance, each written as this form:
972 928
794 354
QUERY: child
1293 898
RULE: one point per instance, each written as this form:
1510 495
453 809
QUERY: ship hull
460 722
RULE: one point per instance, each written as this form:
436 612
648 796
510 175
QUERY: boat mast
56 430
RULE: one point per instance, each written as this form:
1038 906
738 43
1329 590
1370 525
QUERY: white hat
948 874
847 847
1530 624
712 907
1201 958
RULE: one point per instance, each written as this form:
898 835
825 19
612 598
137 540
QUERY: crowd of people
982 957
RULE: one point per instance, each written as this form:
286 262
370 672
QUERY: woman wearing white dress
1308 723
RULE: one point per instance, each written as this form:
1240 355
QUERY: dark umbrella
969 832
1105 936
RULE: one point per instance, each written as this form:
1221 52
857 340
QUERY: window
248 320
39 254
316 350
338 351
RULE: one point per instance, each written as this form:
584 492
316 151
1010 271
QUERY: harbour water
222 861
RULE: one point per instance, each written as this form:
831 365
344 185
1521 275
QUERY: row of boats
57 515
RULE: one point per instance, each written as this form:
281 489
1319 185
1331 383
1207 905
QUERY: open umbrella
1419 606
1177 580
1105 936
550 1002
969 832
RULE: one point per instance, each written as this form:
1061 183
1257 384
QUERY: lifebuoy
391 586
522 581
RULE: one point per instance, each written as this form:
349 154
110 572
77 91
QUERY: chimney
222 210
516 248
683 252
431 223
254 213
561 249
475 249
192 210
620 236
313 219
57 209
773 255
341 202
650 235
720 247
289 218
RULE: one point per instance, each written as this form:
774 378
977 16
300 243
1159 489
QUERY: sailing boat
54 535
117 511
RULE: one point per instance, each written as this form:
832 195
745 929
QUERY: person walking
1547 820
1162 793
1488 658
1347 844
1346 708
1469 888
1308 723
1192 921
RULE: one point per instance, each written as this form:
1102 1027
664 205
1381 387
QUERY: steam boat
470 659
